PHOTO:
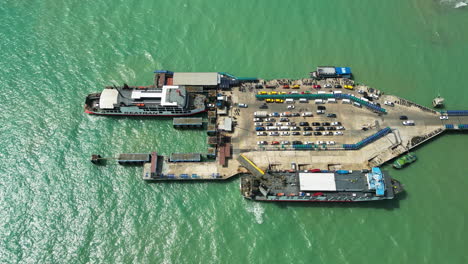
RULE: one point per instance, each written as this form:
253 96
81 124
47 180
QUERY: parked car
308 129
291 107
443 117
285 133
317 133
285 142
307 133
275 142
327 85
295 128
338 133
284 119
270 119
336 123
331 115
327 133
262 143
259 128
338 86
316 124
261 133
257 119
320 112
319 129
269 124
243 105
317 86
274 134
304 123
319 142
295 133
331 128
389 103
321 107
297 142
340 128
291 123
403 117
408 123
258 124
331 143
325 123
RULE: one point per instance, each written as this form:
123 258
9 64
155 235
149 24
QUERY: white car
308 143
327 133
291 107
243 105
360 91
285 142
257 119
262 143
340 128
285 133
258 124
278 124
320 142
336 124
320 112
295 128
270 119
331 143
291 123
263 133
338 133
274 134
389 103
408 123
307 133
327 85
443 117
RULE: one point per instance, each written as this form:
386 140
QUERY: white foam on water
257 210
455 3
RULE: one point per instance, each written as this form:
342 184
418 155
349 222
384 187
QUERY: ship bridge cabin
167 97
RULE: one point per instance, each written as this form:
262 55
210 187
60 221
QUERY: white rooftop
317 181
109 98
196 78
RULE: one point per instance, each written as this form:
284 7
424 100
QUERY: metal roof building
196 78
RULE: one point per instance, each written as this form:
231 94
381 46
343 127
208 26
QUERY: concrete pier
359 122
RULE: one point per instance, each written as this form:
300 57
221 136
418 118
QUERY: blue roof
343 70
376 182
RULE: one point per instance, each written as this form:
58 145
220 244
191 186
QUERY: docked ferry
169 96
321 186
145 101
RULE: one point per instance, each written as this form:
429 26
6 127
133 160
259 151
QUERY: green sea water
56 207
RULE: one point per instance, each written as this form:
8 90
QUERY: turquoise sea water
56 207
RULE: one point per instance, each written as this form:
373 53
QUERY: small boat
438 102
405 160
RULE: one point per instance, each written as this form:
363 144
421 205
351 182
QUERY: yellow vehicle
273 92
282 92
279 100
297 86
350 87
262 92
269 100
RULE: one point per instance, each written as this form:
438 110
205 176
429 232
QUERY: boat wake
455 3
257 210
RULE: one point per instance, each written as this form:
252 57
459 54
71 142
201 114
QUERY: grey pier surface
187 122
133 158
185 157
